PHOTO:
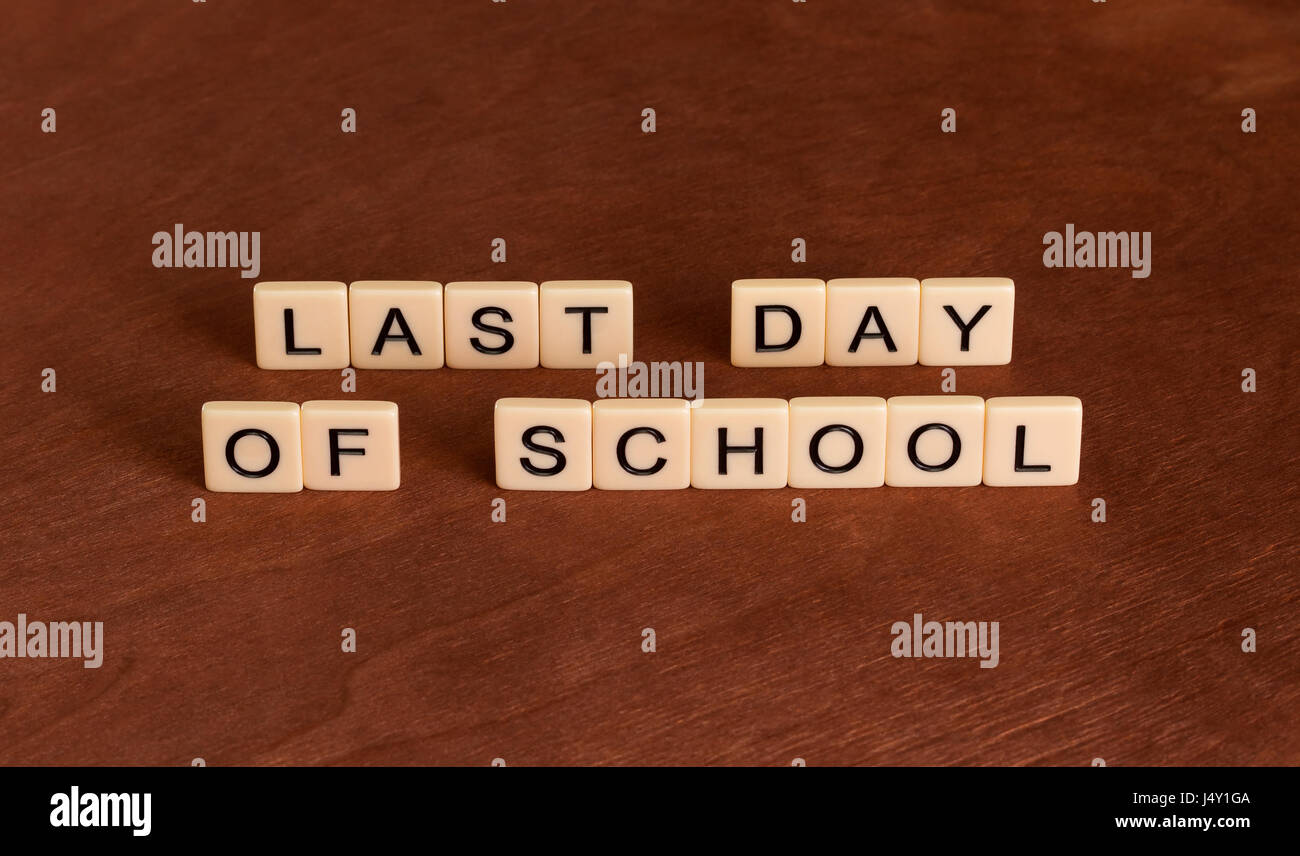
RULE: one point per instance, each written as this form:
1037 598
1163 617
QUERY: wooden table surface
775 120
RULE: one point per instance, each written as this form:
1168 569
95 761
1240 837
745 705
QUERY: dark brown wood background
776 120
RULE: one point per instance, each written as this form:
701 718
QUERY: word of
949 639
281 447
77 809
872 322
209 250
836 442
422 325
81 639
1102 249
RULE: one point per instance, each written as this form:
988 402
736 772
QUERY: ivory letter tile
984 306
396 325
252 446
740 443
837 442
543 443
934 441
778 322
350 445
301 325
642 444
491 325
585 322
873 322
1032 440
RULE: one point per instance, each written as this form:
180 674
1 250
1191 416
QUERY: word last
378 324
815 442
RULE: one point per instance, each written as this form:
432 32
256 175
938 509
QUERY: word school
818 442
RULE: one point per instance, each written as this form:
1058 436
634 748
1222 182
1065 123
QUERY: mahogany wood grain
775 120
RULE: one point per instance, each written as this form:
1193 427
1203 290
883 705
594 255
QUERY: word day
570 324
818 442
953 321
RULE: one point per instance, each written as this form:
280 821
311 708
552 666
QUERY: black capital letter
586 312
270 444
529 466
934 426
621 451
814 449
385 333
1021 466
724 450
335 451
488 328
872 312
963 326
760 328
288 337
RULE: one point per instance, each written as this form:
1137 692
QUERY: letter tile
778 322
301 325
543 443
350 445
1032 440
873 322
585 322
396 325
967 321
252 446
642 444
837 441
491 325
934 440
740 443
